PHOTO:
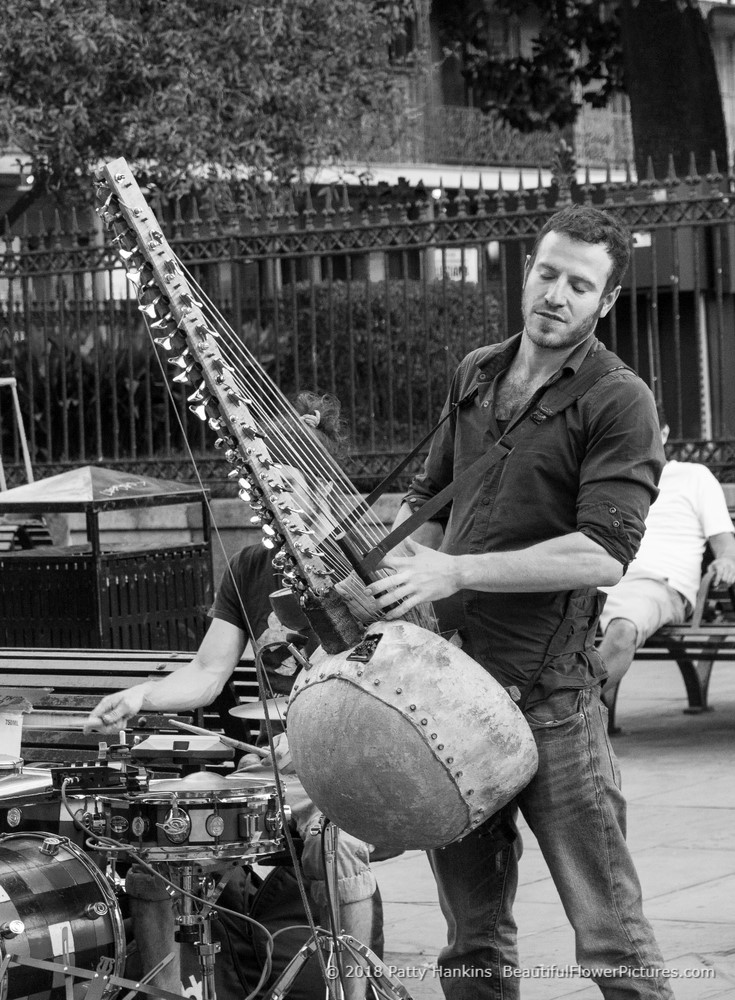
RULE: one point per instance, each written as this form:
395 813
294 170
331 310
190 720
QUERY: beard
551 334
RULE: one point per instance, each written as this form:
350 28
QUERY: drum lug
50 846
176 826
93 911
12 929
275 821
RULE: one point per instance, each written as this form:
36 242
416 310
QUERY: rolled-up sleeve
622 465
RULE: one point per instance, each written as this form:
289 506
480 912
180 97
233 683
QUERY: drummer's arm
198 683
195 684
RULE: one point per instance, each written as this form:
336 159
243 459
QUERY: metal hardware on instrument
99 776
12 928
413 749
9 765
276 707
203 818
227 740
60 909
207 748
30 803
50 846
222 399
23 783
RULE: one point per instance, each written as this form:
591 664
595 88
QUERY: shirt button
486 403
481 377
613 510
616 524
486 500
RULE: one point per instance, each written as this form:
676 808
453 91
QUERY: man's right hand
115 710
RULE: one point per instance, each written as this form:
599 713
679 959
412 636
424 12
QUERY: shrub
387 350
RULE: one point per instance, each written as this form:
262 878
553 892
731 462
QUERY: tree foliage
192 89
656 51
576 56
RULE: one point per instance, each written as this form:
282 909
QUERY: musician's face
565 291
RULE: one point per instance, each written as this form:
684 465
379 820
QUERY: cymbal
255 710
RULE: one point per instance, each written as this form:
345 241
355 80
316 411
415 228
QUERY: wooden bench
23 535
706 637
70 682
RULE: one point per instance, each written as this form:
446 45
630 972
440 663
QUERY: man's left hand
421 576
724 570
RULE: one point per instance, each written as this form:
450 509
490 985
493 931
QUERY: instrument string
323 493
292 438
286 427
301 448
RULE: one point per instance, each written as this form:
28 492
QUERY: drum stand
195 921
334 944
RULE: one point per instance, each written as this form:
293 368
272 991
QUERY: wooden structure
97 596
64 685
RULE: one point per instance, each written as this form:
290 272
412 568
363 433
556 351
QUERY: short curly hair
330 431
591 225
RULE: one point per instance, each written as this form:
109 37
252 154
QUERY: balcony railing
446 134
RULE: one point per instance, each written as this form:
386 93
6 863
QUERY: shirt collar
501 357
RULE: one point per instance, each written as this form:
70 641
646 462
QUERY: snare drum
57 906
201 818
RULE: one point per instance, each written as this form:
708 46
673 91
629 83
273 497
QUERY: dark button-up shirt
591 468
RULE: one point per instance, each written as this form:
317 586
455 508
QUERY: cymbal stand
335 944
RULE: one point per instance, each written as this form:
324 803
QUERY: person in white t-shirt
661 584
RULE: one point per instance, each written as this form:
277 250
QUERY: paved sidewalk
679 779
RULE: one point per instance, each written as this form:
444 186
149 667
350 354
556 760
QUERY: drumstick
227 740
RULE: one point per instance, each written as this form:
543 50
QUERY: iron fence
371 293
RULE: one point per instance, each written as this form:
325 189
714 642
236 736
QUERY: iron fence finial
563 167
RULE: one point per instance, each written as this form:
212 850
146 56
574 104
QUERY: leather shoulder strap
554 400
567 391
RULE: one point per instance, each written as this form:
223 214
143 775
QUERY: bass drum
54 902
405 741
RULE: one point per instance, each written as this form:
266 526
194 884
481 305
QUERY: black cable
260 672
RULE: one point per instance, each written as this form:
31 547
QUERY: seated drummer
242 609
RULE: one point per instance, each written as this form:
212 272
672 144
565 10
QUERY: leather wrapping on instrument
413 749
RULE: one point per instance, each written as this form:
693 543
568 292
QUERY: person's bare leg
617 650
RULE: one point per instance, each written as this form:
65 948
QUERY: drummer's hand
421 576
115 710
251 761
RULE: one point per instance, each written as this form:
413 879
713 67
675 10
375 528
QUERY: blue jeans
575 809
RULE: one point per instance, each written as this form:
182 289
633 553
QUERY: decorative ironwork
718 456
370 292
365 470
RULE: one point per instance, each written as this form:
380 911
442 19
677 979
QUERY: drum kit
401 774
66 833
